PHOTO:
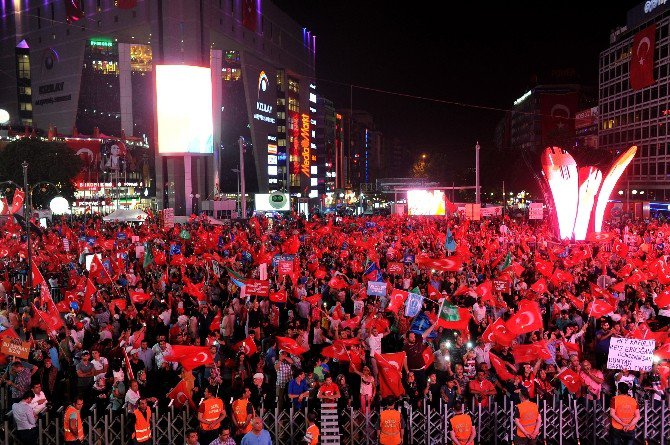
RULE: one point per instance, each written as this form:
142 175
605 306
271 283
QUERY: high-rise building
634 103
362 149
87 64
326 140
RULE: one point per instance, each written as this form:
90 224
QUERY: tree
47 161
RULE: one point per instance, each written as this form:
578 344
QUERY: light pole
26 217
237 201
243 195
477 194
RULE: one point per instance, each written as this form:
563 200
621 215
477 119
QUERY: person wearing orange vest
391 429
243 412
462 431
625 415
210 414
73 428
142 423
527 420
312 434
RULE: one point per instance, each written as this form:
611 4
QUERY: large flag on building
390 373
249 14
642 58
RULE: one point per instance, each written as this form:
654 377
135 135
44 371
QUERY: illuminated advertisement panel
425 202
184 109
305 152
274 202
295 143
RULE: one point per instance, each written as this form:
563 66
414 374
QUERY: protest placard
15 347
377 288
631 353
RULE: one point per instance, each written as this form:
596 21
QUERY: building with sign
90 65
633 90
363 160
586 129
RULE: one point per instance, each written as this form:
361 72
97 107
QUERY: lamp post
26 217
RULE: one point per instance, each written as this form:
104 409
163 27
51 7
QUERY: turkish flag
484 290
247 346
119 303
620 286
351 323
620 248
313 299
390 377
558 117
598 291
279 296
572 347
531 352
560 277
337 282
636 277
499 365
320 274
663 299
51 319
86 306
180 396
291 346
139 297
17 201
642 58
338 350
462 290
527 319
190 357
396 300
544 267
572 381
433 293
37 275
496 332
599 307
540 286
663 352
599 237
576 302
428 357
249 14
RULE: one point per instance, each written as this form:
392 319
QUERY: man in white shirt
479 311
24 417
374 342
39 401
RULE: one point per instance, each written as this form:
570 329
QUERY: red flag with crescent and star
180 396
496 332
572 381
390 373
190 357
642 58
247 346
499 365
527 319
291 346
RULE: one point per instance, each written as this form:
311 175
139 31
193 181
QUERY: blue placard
377 288
121 236
408 259
277 258
370 224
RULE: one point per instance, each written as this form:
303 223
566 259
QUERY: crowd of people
289 313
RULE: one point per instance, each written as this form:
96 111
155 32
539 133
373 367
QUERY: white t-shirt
36 405
132 397
375 344
479 312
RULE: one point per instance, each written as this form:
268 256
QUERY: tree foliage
47 161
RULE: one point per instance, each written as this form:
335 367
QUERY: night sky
479 54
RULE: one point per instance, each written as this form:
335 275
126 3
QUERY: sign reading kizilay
631 354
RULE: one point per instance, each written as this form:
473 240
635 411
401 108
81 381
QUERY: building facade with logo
88 66
634 79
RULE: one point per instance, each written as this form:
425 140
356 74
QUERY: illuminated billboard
184 109
425 202
575 190
274 202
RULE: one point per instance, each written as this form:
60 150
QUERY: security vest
528 413
212 410
461 425
68 433
389 427
313 434
624 407
142 431
240 414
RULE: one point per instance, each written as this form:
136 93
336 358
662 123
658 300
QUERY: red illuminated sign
295 144
305 145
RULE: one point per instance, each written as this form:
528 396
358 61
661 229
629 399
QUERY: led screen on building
425 202
184 109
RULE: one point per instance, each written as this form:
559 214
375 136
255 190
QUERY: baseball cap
259 375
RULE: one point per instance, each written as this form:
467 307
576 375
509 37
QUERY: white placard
631 353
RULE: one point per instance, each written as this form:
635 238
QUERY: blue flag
450 242
420 324
413 305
